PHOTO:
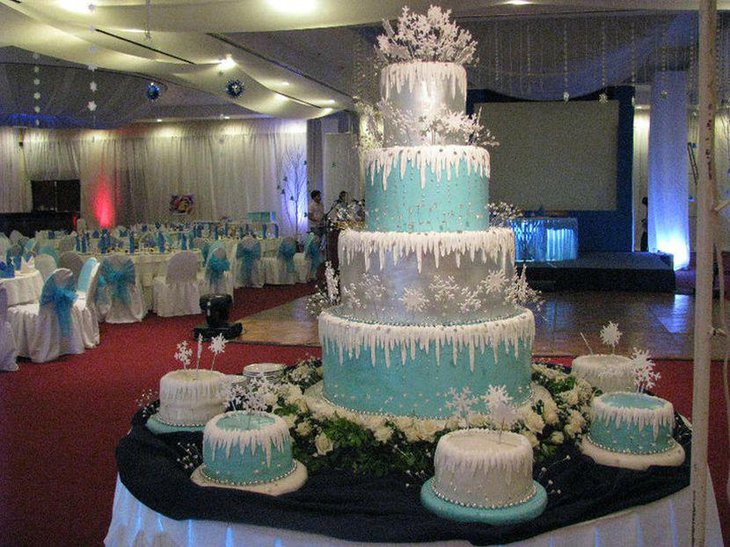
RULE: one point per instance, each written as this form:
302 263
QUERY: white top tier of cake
418 93
190 397
483 468
606 372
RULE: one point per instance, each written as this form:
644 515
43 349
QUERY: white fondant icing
190 397
640 417
275 433
483 468
439 159
607 372
434 75
497 244
351 337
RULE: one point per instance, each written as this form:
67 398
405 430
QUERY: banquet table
24 288
666 521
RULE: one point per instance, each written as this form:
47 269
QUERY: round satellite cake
249 451
484 476
607 372
188 399
632 430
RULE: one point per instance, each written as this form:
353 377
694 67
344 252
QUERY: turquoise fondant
445 204
420 387
248 465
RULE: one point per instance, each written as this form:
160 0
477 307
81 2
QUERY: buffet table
156 503
663 522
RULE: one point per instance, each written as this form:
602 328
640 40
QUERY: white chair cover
278 270
37 329
5 244
8 353
81 225
178 292
73 261
85 308
15 236
119 302
45 264
67 243
224 285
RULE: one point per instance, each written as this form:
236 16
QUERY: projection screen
553 155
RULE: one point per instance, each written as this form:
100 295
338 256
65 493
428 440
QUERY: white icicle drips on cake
496 243
275 433
439 159
399 75
191 385
351 336
661 416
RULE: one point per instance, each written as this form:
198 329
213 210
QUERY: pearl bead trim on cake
527 498
247 483
671 444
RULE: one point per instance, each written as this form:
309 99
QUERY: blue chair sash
48 250
248 252
287 249
215 268
61 299
7 270
204 250
312 252
118 281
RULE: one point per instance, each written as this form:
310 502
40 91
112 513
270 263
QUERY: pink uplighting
103 204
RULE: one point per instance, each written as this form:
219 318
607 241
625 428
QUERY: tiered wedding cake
424 288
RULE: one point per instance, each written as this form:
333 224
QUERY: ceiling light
284 83
159 120
227 63
77 6
293 6
226 117
330 101
518 2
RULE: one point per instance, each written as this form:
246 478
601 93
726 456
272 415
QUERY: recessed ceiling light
518 2
330 101
293 6
77 6
284 83
226 117
227 63
159 120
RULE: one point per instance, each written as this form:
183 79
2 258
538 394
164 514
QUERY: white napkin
27 266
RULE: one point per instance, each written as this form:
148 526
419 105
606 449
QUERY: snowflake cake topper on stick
501 410
610 335
217 346
184 353
461 404
645 377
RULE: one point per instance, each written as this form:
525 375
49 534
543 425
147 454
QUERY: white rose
411 432
270 398
551 417
477 420
570 397
403 423
324 413
290 420
374 422
575 424
530 436
453 423
532 420
427 429
557 438
304 428
323 444
383 434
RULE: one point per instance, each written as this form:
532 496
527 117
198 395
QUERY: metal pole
706 191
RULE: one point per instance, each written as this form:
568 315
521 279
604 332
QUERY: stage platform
621 271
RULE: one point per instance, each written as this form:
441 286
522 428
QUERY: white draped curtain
668 176
14 193
128 175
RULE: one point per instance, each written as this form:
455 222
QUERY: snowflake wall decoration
610 335
645 377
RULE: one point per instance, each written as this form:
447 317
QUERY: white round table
24 288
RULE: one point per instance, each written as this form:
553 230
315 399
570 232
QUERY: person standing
315 213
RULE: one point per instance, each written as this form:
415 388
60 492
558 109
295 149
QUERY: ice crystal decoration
332 280
413 300
429 37
443 289
371 130
217 346
350 299
191 457
470 300
446 126
494 282
255 395
501 410
610 335
184 353
502 214
461 404
645 377
373 287
519 292
326 296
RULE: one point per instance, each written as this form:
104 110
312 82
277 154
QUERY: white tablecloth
24 288
664 522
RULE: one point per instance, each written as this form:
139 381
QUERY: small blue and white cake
249 451
484 476
632 430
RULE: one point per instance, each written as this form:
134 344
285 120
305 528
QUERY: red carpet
60 422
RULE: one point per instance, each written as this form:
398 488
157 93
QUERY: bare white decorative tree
293 189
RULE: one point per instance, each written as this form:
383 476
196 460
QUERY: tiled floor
660 323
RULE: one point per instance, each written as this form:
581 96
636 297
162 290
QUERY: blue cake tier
415 370
426 278
246 448
632 423
427 189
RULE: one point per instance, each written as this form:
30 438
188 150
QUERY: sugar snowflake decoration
645 377
184 353
494 282
373 287
519 292
502 214
470 300
426 37
461 403
217 346
610 335
332 280
255 395
501 410
414 300
443 289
